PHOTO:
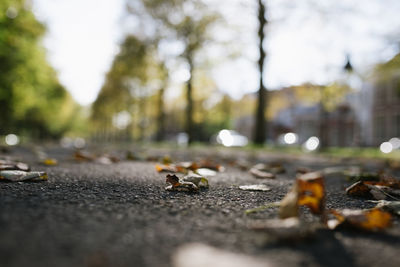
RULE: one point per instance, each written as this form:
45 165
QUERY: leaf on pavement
312 191
206 172
83 156
177 184
390 206
386 188
267 171
309 191
204 168
19 176
259 172
49 162
371 220
255 187
12 165
289 206
198 180
166 168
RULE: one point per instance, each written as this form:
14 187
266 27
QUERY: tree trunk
260 130
189 104
323 121
161 116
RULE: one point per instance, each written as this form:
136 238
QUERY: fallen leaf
166 160
261 174
381 190
390 206
198 180
12 165
204 168
309 191
268 171
83 156
255 187
289 206
49 162
312 191
372 219
18 176
166 168
177 184
206 172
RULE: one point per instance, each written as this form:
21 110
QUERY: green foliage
31 97
130 86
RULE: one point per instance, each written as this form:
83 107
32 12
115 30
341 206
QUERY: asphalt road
91 214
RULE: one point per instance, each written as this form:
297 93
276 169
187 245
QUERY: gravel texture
89 214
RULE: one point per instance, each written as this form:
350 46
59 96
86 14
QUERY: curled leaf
390 206
255 187
199 181
372 219
381 190
177 184
309 191
18 176
312 191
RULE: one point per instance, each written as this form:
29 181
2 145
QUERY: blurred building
385 115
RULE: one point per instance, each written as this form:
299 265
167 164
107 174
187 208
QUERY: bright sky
303 44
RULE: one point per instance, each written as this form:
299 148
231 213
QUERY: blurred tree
260 127
29 89
188 22
121 106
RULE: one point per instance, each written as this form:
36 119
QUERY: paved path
89 214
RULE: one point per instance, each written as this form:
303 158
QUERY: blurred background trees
32 101
162 85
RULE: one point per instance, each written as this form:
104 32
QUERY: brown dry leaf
177 184
372 219
166 168
309 191
312 191
207 164
386 188
83 156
